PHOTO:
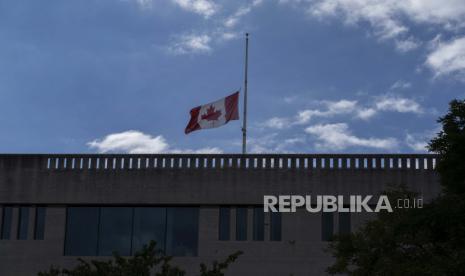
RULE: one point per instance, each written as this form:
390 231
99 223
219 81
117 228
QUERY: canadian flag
214 114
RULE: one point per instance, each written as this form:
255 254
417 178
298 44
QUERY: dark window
327 226
6 222
115 231
39 226
23 221
258 224
224 223
92 231
275 226
149 224
241 224
344 223
182 231
82 231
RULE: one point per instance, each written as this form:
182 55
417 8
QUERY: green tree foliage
422 241
450 144
146 262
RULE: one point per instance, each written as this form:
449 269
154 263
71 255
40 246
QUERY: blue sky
324 75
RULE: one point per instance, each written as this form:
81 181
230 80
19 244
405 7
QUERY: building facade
198 208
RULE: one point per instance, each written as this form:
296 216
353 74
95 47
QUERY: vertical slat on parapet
200 163
403 162
429 165
111 163
260 163
378 161
157 162
327 163
84 163
316 162
182 162
94 162
348 162
71 165
106 163
275 162
344 165
209 162
241 162
62 163
125 163
368 162
292 162
421 163
285 163
190 162
408 162
356 163
118 162
374 163
300 161
58 163
175 162
395 162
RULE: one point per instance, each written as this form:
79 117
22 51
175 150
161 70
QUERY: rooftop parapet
118 162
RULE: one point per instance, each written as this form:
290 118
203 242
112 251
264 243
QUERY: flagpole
244 124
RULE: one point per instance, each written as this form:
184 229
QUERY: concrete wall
207 181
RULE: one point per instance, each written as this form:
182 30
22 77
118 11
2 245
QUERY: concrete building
197 207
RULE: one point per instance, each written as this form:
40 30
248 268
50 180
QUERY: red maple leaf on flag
211 114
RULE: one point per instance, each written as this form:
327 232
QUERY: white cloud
405 45
398 104
389 18
366 113
191 44
205 8
232 20
133 141
400 84
347 107
332 108
339 137
271 143
276 122
448 58
415 144
419 140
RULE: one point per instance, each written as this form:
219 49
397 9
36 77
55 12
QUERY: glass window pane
81 231
224 223
6 222
115 231
182 231
39 227
327 226
149 224
275 226
344 223
258 224
241 224
23 221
